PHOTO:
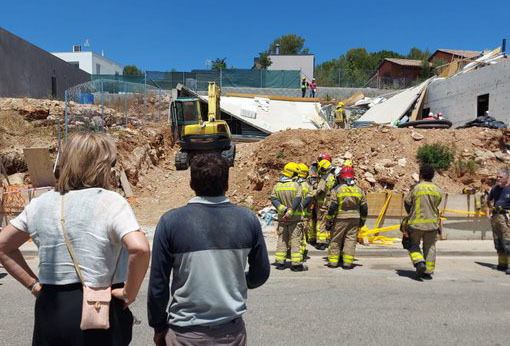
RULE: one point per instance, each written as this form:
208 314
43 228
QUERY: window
54 87
75 63
98 69
483 105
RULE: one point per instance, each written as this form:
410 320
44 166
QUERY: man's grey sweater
206 244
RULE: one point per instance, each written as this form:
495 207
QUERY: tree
264 60
418 54
289 45
219 64
131 70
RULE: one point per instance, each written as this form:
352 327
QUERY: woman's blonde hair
86 161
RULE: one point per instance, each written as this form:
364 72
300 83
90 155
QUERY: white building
90 62
303 63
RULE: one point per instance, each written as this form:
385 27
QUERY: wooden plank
125 184
39 166
419 105
275 98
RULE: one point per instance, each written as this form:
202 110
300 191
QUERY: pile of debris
383 158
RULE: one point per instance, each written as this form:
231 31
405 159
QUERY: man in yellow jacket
422 206
306 205
326 183
347 213
339 116
286 198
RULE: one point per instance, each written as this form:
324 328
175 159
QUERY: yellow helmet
340 104
348 163
324 165
290 169
303 170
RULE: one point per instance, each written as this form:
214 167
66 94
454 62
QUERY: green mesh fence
199 79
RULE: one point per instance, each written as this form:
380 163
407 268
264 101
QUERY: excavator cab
198 128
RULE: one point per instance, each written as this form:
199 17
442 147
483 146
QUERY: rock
249 200
347 155
385 130
416 177
17 179
378 168
363 167
386 163
402 162
502 156
262 170
416 136
369 177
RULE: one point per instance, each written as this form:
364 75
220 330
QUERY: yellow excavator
197 129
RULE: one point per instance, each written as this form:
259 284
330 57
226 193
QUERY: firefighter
304 86
313 179
422 206
499 201
339 116
347 213
286 198
326 183
306 205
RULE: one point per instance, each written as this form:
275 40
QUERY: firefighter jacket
286 198
326 183
308 196
348 202
422 206
339 115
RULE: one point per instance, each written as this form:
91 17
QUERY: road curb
402 253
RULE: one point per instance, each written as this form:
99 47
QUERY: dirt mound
383 158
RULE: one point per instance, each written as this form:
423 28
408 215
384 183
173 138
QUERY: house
90 62
29 71
300 62
448 55
401 71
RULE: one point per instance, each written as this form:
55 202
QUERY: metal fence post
159 104
102 105
221 78
145 97
126 102
65 114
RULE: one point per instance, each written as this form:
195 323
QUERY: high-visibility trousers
344 235
501 234
428 255
288 235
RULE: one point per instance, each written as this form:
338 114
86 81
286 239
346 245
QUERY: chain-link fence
104 103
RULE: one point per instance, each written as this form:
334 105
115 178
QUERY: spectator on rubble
100 226
205 246
304 86
313 87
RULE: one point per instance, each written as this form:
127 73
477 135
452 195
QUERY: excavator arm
214 93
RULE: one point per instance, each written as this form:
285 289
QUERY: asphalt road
377 303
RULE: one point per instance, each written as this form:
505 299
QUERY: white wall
84 58
88 61
457 97
305 63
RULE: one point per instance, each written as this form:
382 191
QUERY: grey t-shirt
95 219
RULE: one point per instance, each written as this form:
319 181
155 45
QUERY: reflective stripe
502 259
430 265
416 256
333 259
280 256
281 208
415 221
348 258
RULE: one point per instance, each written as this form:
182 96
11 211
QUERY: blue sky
161 35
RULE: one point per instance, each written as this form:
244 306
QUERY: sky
183 35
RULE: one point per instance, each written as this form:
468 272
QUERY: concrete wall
337 93
27 70
456 97
88 62
305 63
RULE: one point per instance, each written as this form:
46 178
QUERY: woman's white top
95 219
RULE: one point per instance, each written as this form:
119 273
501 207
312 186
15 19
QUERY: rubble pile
383 158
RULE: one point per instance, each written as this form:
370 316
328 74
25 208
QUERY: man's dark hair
426 172
209 174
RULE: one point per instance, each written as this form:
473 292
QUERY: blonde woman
101 226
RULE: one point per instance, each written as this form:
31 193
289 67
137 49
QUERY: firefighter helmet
324 157
324 165
303 170
290 170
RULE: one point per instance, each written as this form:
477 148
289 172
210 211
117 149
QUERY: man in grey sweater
206 245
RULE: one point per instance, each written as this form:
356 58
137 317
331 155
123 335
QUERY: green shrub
436 155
